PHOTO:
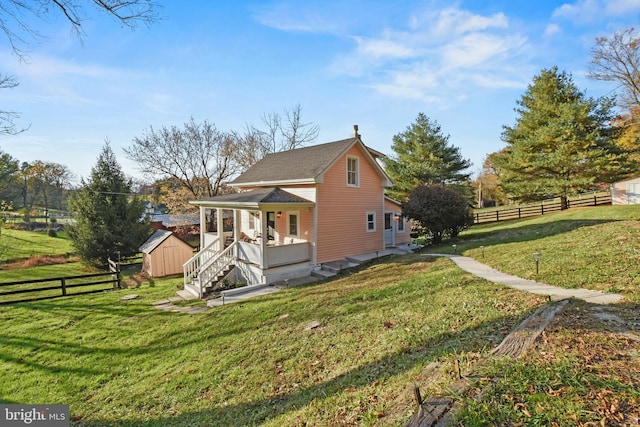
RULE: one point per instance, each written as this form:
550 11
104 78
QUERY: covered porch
266 234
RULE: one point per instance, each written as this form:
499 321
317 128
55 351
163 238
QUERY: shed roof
156 239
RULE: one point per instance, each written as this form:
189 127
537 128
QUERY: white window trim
357 184
367 222
297 214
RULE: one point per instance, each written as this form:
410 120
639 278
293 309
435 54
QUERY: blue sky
372 63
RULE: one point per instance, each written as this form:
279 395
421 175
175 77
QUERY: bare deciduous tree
7 126
279 134
288 132
617 59
17 25
17 19
198 156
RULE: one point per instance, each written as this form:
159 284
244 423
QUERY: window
400 228
371 221
292 223
252 220
352 172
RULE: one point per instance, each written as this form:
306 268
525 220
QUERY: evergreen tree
563 142
108 220
423 155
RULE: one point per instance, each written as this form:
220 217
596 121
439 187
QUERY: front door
271 225
388 229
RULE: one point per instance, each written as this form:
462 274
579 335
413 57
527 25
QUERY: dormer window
353 178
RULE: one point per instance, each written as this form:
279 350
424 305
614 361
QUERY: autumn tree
617 59
9 168
423 155
108 218
488 184
562 143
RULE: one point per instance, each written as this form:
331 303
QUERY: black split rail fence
539 209
56 287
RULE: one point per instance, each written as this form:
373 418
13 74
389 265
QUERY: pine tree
108 221
423 155
563 142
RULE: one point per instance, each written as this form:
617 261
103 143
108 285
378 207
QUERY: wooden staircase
207 269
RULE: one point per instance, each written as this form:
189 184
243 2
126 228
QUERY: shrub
439 210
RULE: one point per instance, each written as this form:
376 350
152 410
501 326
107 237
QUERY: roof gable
302 165
299 165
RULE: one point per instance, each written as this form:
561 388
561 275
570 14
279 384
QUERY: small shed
164 253
626 192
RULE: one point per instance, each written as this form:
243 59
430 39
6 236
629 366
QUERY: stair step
323 273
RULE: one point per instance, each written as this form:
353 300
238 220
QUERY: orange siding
342 211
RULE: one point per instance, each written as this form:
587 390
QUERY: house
626 192
295 211
164 254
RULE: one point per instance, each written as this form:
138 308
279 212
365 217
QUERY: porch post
237 222
263 241
220 229
314 243
203 225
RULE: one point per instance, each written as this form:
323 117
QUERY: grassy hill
349 351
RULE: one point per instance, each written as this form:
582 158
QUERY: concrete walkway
476 268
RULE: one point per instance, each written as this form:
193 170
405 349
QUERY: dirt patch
37 261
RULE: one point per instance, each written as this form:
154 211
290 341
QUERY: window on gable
371 221
352 172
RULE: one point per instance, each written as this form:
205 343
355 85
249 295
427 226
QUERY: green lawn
255 362
593 248
347 351
18 244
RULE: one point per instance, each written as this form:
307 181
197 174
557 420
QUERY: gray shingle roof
256 197
300 164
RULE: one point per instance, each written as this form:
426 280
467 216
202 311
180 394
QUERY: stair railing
191 268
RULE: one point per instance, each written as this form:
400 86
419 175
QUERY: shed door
633 193
169 260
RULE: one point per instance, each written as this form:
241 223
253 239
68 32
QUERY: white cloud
552 29
587 11
438 57
383 48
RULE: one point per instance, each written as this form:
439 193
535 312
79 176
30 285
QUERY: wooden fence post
64 286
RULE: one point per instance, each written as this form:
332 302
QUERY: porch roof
260 198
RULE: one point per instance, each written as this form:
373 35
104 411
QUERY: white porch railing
192 267
275 255
216 265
